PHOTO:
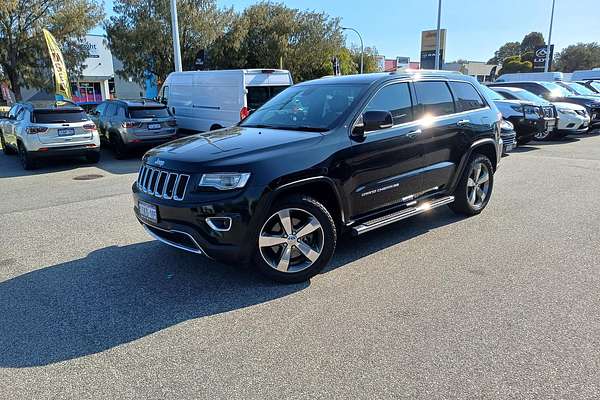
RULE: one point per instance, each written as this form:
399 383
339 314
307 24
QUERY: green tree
515 64
578 56
531 41
506 50
369 59
140 34
23 53
269 35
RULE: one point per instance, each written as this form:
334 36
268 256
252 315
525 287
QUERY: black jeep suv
322 158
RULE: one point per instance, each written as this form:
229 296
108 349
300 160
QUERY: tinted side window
434 98
466 97
13 111
120 111
21 114
395 99
110 110
509 95
100 109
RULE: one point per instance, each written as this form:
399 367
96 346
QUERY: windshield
556 90
580 89
58 116
491 94
316 107
148 112
595 85
526 95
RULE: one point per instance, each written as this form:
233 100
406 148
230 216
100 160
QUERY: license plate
148 211
550 124
66 132
153 126
594 116
509 147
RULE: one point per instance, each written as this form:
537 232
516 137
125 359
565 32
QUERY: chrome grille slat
162 184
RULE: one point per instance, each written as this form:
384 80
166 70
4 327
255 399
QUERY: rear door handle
463 122
414 134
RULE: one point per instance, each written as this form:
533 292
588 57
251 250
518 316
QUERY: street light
362 47
437 37
175 24
547 65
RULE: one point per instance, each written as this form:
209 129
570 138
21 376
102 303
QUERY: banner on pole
63 87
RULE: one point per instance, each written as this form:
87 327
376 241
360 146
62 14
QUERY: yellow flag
63 87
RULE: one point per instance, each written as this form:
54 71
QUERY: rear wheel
215 127
296 241
5 148
118 146
475 186
27 161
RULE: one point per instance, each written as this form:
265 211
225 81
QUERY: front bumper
184 225
569 123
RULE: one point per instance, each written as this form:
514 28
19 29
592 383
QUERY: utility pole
547 65
175 24
362 47
437 36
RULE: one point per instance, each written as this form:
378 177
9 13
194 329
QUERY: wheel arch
320 188
487 147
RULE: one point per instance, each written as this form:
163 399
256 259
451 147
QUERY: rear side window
58 116
110 109
259 95
434 98
148 112
466 97
100 109
396 99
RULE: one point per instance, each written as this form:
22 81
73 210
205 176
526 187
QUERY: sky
476 28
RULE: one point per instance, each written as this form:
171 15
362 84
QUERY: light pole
437 36
175 24
362 47
547 65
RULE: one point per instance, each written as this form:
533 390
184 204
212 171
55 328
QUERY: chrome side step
400 215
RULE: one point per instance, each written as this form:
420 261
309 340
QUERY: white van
207 100
532 76
586 75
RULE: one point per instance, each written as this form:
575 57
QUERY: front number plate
148 211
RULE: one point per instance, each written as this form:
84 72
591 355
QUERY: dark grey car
134 123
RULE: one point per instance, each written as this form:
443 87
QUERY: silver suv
50 128
134 123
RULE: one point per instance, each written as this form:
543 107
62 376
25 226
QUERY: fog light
219 224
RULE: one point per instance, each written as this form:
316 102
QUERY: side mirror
372 121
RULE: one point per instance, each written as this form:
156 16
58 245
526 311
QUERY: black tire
27 162
5 148
215 127
329 239
545 136
118 146
461 204
523 140
93 158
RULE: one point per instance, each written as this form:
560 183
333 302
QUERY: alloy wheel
542 135
478 185
291 240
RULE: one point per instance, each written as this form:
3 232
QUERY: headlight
566 111
533 110
507 125
517 108
224 180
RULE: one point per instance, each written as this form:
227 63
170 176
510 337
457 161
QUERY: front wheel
118 146
5 148
544 136
296 241
475 186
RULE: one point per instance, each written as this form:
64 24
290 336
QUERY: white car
208 100
572 118
49 129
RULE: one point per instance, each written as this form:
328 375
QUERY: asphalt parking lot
503 305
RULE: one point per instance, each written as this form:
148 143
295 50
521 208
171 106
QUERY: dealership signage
539 58
428 48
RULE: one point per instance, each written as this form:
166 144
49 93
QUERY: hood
229 146
569 106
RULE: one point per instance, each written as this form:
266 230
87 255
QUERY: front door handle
463 122
413 134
